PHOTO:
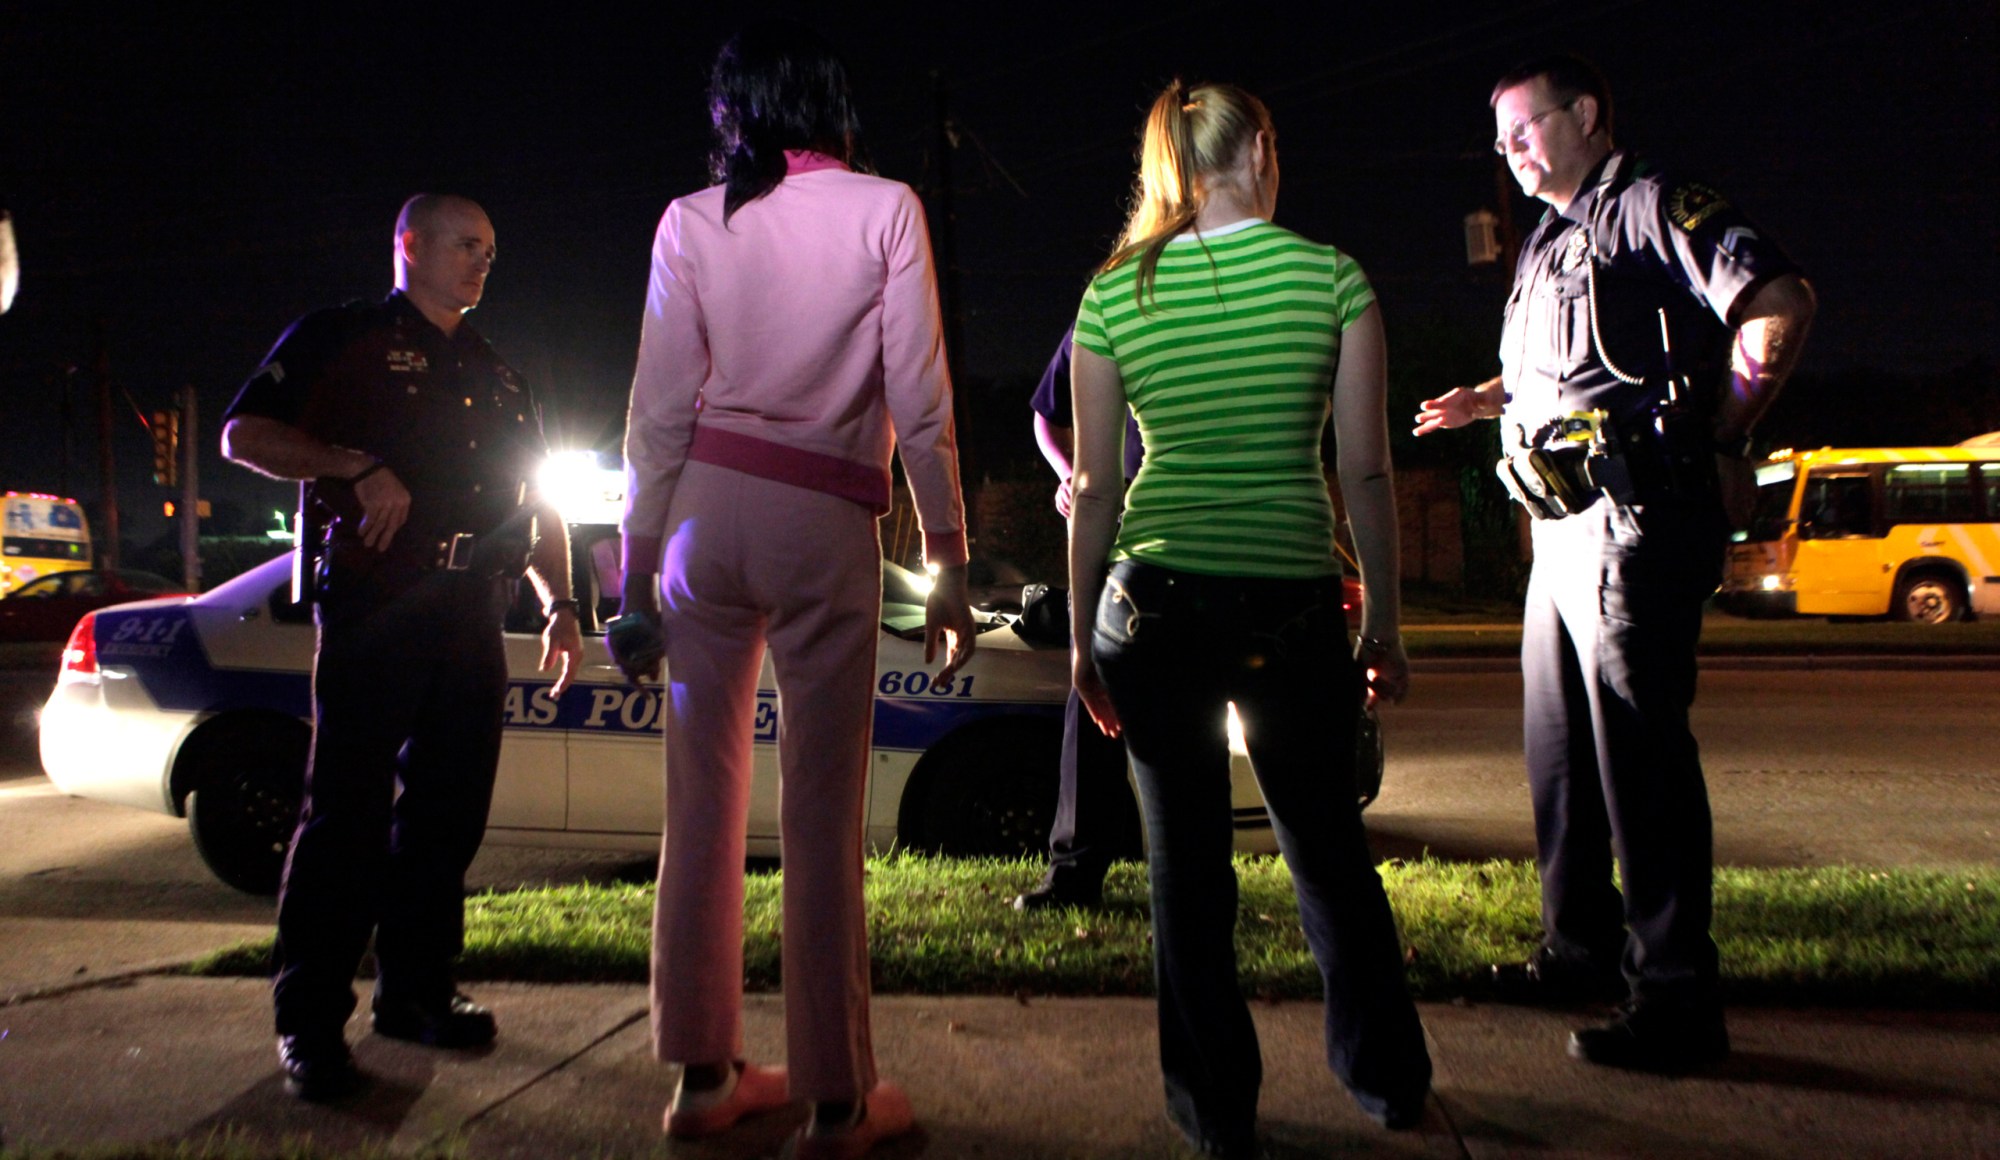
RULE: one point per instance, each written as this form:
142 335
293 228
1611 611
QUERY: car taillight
80 654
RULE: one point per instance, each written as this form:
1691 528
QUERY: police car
200 708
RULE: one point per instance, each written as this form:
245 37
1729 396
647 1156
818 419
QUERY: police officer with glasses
1650 325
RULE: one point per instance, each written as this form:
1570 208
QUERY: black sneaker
318 1068
1661 1037
1550 979
457 1022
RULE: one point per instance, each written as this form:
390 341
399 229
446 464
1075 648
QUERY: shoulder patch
1693 203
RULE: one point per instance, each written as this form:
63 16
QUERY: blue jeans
1174 650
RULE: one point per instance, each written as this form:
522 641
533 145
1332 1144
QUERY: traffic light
167 447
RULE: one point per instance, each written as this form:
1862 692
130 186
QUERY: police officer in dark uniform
1650 325
417 449
1096 817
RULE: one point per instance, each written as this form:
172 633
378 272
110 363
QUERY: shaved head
444 250
424 211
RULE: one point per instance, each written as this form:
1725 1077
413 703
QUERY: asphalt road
1806 767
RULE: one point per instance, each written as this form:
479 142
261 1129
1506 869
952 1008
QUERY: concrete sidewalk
166 1059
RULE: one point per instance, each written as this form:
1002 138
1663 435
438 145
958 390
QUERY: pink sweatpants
750 561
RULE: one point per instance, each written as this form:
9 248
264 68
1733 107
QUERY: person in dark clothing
1650 325
416 447
1094 811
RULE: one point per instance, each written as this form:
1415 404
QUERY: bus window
1773 512
1836 507
1931 493
45 549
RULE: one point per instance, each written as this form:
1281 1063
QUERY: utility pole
107 466
190 513
944 242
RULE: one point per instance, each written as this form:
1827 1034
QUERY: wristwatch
556 606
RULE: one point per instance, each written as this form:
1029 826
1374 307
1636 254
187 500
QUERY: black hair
776 85
1569 76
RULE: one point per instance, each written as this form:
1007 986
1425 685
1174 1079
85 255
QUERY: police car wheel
987 793
245 803
1929 598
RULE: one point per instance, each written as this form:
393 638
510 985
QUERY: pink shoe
752 1091
885 1115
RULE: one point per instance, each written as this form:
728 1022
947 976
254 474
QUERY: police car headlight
585 492
1770 583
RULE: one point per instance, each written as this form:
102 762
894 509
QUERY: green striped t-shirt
1230 372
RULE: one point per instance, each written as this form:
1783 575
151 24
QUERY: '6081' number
918 683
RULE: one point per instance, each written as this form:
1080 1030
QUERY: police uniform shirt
1052 401
456 425
1660 243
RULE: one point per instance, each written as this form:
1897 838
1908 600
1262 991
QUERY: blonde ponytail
1190 133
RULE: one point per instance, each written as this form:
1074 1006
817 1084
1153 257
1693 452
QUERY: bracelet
365 472
556 606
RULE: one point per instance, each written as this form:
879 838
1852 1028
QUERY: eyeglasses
1516 134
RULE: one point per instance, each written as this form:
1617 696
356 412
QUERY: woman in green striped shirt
1232 340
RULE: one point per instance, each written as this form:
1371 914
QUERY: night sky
192 181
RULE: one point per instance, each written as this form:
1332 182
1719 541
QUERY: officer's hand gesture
1454 408
948 613
385 505
1459 406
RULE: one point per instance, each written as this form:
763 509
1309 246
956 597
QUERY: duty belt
1573 460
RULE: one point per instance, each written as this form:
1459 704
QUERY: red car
48 607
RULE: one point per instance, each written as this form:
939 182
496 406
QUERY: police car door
617 752
531 789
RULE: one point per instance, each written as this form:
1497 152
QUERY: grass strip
1825 936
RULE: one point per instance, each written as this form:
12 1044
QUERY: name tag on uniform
408 361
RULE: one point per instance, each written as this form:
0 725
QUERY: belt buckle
455 553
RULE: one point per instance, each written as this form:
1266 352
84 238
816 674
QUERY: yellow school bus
43 534
1912 533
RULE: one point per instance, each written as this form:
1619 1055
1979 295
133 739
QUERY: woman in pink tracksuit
791 343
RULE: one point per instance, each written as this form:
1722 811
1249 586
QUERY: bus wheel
245 803
1929 598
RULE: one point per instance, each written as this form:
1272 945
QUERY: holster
1550 482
